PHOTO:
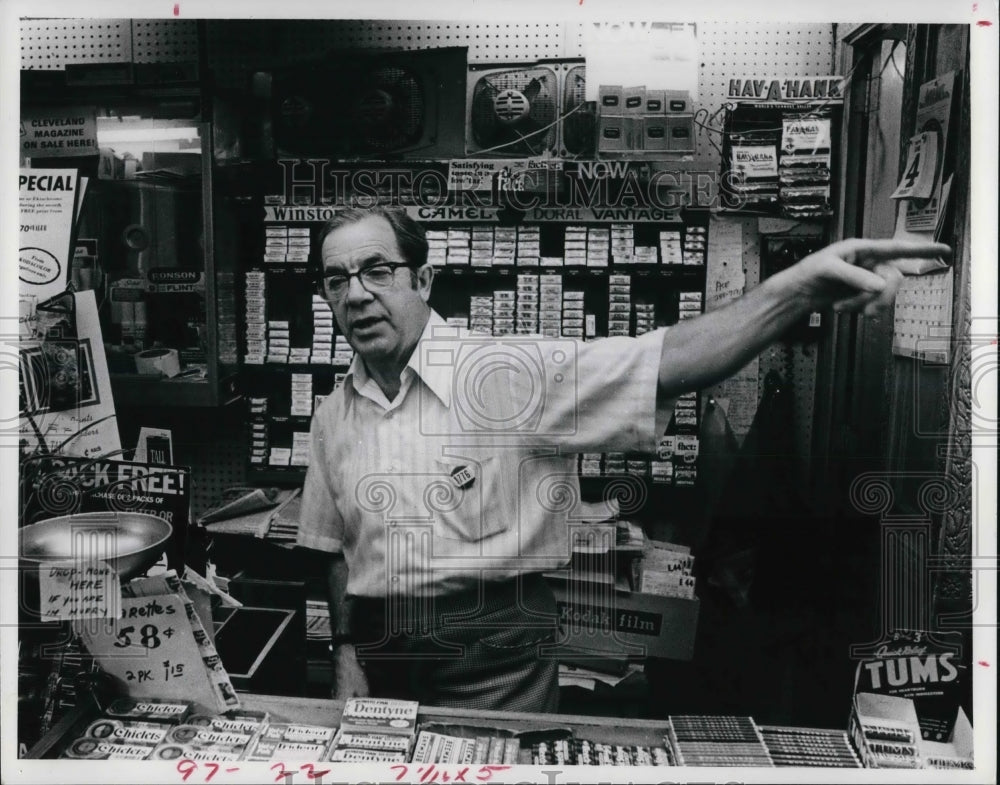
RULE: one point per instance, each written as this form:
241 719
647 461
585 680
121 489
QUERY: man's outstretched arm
850 275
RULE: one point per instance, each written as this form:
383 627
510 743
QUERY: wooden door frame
952 546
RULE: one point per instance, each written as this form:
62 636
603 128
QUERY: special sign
61 132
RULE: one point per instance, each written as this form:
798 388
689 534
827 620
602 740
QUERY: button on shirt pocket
466 503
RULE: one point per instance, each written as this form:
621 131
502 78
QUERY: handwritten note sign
151 649
79 591
726 280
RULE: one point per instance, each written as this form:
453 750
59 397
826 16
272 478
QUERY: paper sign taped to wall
920 172
48 200
71 590
55 133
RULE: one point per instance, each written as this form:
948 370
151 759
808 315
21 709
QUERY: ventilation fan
578 128
388 111
512 111
364 104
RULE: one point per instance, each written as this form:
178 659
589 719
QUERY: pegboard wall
211 442
235 49
52 44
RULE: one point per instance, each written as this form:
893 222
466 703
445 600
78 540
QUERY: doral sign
787 88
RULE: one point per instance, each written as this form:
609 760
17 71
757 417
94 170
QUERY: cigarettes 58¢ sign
59 132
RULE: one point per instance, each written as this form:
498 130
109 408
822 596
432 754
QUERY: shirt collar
437 377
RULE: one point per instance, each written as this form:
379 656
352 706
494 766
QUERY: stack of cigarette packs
504 246
278 342
695 245
528 246
690 305
550 305
437 247
302 395
573 313
256 317
575 246
645 317
322 342
671 252
286 244
481 314
504 305
622 243
459 247
482 246
527 304
342 351
619 304
598 247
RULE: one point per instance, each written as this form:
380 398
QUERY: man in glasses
428 468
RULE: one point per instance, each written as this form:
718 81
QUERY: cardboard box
608 621
885 731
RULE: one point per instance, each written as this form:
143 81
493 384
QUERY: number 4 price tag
921 168
151 649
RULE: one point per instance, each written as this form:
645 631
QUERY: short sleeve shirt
470 472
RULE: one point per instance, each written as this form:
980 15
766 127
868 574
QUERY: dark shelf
289 475
134 390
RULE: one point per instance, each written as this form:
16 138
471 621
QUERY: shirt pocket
470 504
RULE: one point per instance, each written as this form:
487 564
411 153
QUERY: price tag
921 168
151 649
72 591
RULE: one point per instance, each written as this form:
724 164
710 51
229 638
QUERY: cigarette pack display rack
581 272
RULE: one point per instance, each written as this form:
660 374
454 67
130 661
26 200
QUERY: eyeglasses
375 276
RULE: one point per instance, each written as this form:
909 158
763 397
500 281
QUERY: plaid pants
478 649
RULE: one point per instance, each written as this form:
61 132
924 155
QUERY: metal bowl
130 542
